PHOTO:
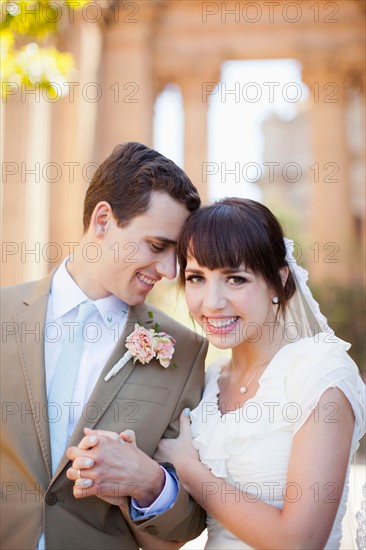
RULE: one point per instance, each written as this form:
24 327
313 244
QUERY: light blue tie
63 383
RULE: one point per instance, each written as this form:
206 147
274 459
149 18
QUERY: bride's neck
248 356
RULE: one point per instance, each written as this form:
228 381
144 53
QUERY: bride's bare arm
319 457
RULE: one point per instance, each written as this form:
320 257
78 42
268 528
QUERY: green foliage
27 57
37 19
345 311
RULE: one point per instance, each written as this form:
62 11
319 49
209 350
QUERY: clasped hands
111 466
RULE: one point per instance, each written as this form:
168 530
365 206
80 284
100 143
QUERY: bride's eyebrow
194 271
230 271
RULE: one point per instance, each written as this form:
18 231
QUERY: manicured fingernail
129 434
88 462
92 439
187 411
83 483
88 482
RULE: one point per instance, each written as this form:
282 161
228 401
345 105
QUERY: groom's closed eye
159 244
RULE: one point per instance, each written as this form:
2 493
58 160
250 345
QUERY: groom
54 366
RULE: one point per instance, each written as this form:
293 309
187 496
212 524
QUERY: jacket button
51 498
151 529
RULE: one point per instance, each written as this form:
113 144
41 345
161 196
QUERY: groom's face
137 256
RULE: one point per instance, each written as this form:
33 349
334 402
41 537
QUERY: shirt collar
66 295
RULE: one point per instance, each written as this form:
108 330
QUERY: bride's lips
220 325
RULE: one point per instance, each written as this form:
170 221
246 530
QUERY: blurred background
257 99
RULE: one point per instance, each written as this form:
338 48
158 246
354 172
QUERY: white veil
303 316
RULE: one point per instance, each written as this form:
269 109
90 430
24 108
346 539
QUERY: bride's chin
219 341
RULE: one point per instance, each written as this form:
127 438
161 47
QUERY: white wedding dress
250 447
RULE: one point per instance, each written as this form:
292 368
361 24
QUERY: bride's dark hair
233 232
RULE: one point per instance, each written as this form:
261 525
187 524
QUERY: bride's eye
237 280
195 279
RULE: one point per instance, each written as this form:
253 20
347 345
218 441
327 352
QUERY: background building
126 53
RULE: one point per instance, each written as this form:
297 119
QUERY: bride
281 417
267 452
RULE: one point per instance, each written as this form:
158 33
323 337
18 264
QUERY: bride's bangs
220 237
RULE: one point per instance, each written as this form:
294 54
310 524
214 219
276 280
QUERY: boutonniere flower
143 345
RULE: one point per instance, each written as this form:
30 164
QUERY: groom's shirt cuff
164 501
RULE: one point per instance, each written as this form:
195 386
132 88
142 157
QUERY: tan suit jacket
145 398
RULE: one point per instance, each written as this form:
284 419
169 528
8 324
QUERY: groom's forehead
162 214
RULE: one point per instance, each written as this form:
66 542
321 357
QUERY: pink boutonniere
143 345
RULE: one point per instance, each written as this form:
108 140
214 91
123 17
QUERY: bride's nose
214 299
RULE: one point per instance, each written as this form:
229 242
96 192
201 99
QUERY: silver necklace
244 388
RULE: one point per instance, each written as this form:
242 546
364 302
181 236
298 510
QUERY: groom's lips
145 281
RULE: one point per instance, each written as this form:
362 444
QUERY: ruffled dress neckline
217 374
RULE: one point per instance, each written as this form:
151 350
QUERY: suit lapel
31 349
104 392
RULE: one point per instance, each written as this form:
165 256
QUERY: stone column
196 90
356 134
332 231
127 104
15 125
37 191
25 218
74 119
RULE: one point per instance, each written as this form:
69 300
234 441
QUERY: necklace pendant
243 389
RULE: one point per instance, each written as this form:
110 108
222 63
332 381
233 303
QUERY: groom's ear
100 219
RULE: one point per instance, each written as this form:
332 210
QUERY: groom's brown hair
127 178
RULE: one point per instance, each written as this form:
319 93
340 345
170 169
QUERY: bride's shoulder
317 363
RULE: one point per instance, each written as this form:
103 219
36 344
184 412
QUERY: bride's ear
284 274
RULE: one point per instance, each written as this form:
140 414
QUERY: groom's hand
112 467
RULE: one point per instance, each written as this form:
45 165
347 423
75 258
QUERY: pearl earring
275 300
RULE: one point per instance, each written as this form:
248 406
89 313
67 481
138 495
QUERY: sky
249 92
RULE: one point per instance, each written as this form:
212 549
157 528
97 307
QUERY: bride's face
232 306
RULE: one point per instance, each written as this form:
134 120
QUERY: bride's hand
178 451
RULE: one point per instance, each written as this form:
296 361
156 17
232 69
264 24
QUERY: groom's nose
167 265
